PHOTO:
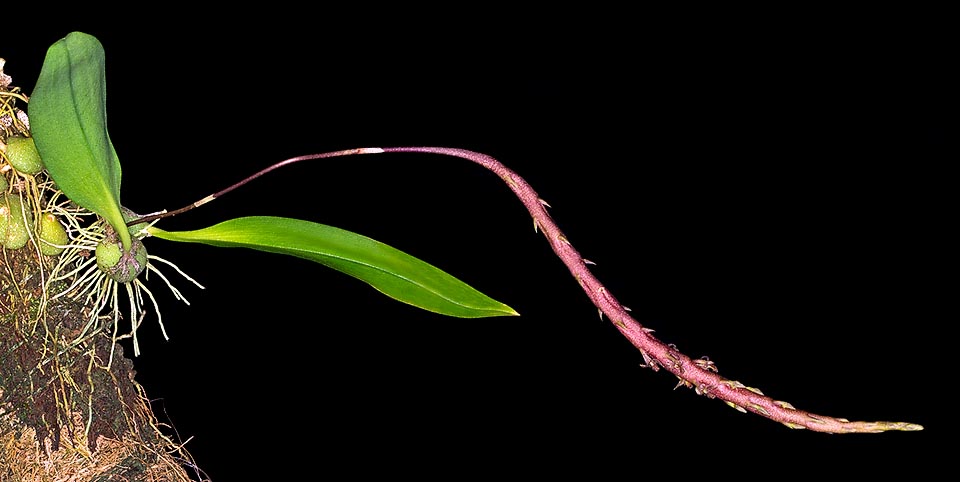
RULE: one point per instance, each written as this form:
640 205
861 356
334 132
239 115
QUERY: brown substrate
62 410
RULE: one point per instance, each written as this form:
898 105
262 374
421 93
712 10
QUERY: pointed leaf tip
389 270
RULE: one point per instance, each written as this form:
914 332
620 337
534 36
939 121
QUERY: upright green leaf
68 120
389 270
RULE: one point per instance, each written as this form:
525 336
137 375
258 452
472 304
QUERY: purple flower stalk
699 374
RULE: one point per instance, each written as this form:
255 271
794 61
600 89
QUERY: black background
767 193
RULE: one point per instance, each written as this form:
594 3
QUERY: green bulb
119 266
51 231
14 232
23 155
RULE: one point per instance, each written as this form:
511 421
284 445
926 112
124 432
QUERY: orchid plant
70 141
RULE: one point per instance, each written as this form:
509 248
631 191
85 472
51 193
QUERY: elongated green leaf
68 120
389 270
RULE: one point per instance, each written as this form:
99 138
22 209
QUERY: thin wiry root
156 308
91 286
177 269
135 292
116 325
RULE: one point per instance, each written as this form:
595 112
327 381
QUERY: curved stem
699 374
292 160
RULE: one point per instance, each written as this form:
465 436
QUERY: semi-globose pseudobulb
119 266
15 222
51 232
23 156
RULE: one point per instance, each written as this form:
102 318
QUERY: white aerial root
90 286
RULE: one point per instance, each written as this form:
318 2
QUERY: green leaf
389 270
68 120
